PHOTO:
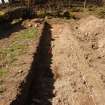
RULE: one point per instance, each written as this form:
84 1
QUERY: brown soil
68 66
78 62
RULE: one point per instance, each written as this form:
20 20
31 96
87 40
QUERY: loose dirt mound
91 34
78 62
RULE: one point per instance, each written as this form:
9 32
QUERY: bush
100 12
77 9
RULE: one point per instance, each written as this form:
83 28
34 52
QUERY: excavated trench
68 66
38 88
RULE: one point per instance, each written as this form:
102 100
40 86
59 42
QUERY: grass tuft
17 47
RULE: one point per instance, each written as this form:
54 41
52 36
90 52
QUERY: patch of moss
2 72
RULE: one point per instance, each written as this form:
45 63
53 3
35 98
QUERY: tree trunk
85 2
3 2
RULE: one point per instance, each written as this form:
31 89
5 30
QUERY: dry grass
17 47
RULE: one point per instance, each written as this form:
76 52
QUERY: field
54 60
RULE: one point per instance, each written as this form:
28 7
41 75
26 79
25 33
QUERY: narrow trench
38 88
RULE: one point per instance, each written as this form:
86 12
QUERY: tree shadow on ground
38 88
6 29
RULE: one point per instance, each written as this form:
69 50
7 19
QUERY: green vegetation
91 9
100 12
29 34
2 72
55 14
17 47
76 9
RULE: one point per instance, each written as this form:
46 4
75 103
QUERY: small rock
94 46
79 32
35 25
20 71
29 25
86 34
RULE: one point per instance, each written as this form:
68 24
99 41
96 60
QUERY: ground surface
17 46
68 67
78 62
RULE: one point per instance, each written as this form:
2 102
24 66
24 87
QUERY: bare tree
3 2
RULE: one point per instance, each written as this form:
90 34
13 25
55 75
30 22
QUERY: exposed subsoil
68 66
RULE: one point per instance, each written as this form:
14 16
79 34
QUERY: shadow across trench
7 29
38 88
